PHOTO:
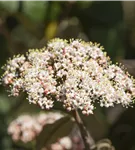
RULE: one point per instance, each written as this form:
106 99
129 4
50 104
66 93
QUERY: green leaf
25 146
22 106
52 132
4 104
11 6
35 10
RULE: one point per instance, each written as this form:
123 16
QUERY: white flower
76 73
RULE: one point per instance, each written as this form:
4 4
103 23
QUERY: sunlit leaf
51 30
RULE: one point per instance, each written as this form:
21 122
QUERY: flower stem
88 141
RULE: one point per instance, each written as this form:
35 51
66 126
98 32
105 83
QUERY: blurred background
26 24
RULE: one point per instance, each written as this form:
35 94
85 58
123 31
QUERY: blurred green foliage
27 24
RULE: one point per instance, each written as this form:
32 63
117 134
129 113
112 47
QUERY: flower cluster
67 143
25 128
76 73
64 143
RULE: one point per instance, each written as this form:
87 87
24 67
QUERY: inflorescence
26 128
76 73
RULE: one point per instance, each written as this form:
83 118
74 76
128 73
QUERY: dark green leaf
52 132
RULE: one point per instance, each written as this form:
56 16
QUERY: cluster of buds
76 73
26 128
64 143
67 143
